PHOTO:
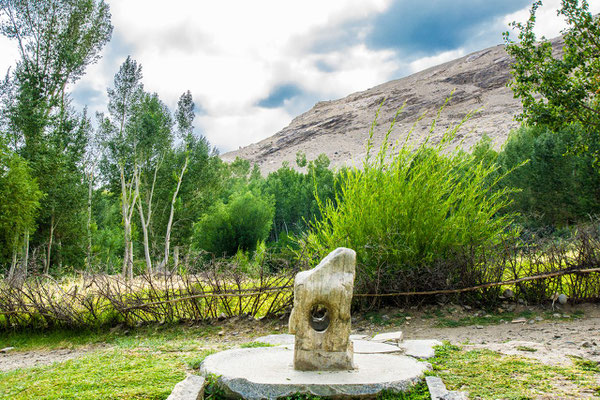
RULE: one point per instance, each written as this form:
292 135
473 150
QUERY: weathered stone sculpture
320 318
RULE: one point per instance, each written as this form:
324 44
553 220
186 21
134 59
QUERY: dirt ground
551 341
551 336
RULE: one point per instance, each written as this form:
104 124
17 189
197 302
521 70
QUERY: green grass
526 348
146 363
70 339
116 374
495 318
587 365
255 344
488 375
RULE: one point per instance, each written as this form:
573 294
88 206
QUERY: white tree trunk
49 252
89 220
146 219
13 264
165 261
128 200
25 255
175 257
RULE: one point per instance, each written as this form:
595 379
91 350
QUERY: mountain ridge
340 128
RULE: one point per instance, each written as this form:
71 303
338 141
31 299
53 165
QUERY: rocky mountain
340 128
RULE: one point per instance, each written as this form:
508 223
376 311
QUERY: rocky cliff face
340 128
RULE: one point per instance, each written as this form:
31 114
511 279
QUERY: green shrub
557 187
239 224
411 207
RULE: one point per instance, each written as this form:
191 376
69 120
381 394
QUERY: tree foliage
556 188
20 201
560 91
57 40
239 224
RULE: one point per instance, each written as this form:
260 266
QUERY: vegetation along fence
535 272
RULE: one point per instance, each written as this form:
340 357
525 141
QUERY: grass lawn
146 363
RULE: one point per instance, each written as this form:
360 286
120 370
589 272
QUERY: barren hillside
339 128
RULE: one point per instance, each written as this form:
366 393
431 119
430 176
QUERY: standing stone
320 318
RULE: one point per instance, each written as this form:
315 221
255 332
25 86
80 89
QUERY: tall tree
151 131
120 145
57 40
18 209
184 117
559 91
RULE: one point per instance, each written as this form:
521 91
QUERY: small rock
556 315
584 344
222 316
508 294
385 317
221 333
467 307
531 322
562 299
479 327
408 318
6 349
538 318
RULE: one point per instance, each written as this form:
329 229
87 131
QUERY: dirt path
11 360
550 340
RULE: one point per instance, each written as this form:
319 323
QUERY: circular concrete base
268 373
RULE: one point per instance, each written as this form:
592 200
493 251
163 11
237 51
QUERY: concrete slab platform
267 373
422 349
276 340
364 347
388 337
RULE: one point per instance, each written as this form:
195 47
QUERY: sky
252 66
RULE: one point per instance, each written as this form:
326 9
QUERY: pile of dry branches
535 271
103 300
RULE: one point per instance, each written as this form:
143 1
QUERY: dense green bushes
239 224
557 187
410 208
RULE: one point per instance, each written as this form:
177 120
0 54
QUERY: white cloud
548 23
10 54
232 54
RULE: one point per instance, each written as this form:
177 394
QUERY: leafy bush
239 224
409 208
557 187
294 193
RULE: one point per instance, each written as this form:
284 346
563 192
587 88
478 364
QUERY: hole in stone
319 317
